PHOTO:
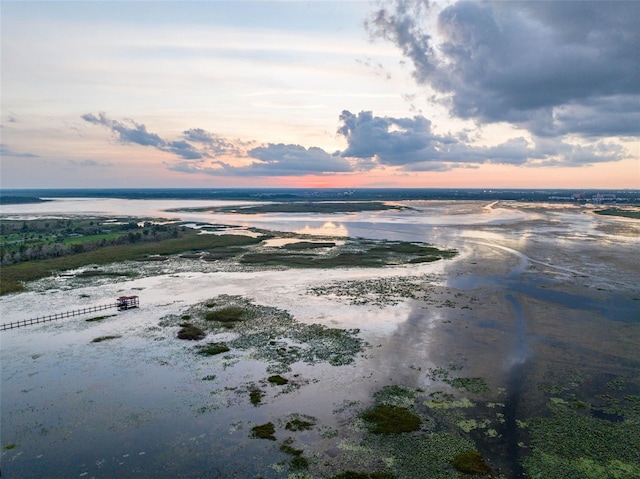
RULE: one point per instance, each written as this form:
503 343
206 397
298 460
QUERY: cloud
554 68
214 144
275 160
7 151
129 131
90 163
411 144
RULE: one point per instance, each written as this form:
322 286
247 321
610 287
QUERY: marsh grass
190 332
470 462
384 419
277 380
13 276
212 349
255 396
227 314
264 431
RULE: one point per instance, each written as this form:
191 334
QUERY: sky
444 94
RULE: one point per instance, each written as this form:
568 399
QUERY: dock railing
66 314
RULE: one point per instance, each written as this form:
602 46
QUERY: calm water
138 406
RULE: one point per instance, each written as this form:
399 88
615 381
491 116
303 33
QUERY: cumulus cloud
214 144
411 144
555 68
275 160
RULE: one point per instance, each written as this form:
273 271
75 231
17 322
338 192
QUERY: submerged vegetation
624 212
271 335
264 431
105 338
383 419
190 332
326 207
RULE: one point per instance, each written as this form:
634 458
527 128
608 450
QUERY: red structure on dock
127 302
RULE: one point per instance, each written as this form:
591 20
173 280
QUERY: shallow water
137 406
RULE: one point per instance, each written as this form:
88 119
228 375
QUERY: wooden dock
122 303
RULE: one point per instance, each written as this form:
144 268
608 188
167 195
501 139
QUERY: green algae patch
277 380
384 419
190 332
470 462
255 396
572 444
264 431
226 314
297 424
212 349
100 339
272 335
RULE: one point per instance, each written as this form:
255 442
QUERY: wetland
439 339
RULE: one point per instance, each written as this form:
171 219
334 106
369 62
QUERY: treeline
39 239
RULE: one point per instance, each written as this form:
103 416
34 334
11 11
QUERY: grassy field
13 276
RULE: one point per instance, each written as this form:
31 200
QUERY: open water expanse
542 304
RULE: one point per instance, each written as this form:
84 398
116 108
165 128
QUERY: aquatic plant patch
264 431
378 291
105 338
190 332
384 419
212 349
470 462
273 335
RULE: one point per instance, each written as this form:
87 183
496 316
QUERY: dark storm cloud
411 144
522 62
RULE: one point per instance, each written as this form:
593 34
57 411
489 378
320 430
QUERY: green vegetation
255 396
227 314
190 332
383 419
362 475
277 380
10 446
211 349
264 431
302 245
263 330
13 275
572 444
354 253
470 462
326 207
105 338
626 213
472 385
297 424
